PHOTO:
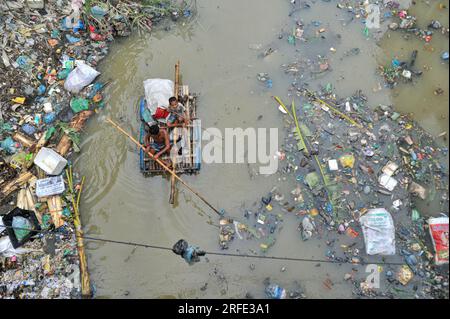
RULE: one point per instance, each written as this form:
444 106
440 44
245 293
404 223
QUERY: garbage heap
49 51
361 174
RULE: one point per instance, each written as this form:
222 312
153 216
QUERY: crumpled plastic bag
312 180
23 226
80 77
79 104
307 228
379 232
157 93
7 249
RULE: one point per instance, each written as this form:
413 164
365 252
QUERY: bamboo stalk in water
175 136
85 281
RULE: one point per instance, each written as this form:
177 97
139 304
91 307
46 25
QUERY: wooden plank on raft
188 119
175 135
196 143
194 105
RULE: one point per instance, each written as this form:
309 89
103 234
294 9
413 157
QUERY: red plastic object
160 113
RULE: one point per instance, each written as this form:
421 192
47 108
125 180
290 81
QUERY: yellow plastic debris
19 100
405 275
347 160
314 212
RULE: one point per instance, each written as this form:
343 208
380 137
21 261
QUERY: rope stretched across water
159 247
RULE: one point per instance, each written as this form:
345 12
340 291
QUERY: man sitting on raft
160 144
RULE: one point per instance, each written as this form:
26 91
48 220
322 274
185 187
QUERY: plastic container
50 186
51 162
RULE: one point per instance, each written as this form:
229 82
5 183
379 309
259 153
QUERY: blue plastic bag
8 145
28 129
72 39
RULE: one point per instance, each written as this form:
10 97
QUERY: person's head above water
154 129
173 101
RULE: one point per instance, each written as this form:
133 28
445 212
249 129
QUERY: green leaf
49 133
305 130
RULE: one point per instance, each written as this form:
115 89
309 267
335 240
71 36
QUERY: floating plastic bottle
275 292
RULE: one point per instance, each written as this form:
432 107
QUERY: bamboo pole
85 281
164 166
349 119
177 79
175 135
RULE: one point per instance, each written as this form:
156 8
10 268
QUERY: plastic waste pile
360 174
48 89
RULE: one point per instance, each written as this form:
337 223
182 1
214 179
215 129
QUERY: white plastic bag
373 16
157 93
7 249
81 76
379 232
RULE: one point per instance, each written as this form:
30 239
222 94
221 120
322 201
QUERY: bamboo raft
189 162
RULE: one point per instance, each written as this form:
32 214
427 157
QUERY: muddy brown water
217 61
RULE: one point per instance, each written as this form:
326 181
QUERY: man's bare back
160 143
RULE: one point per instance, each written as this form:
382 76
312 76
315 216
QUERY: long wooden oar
163 165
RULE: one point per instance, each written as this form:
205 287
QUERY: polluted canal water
220 52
